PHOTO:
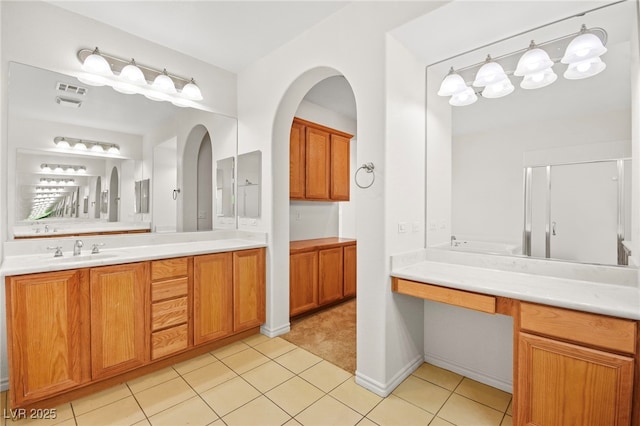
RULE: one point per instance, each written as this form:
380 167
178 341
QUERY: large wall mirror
542 172
70 144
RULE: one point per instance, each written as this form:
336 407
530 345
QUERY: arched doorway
289 107
114 195
197 172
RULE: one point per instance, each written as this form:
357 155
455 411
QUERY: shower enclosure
578 211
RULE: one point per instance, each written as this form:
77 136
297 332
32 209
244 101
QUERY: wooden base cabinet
48 328
73 332
119 318
566 384
212 297
321 271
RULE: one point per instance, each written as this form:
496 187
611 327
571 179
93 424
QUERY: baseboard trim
470 373
385 389
4 384
275 332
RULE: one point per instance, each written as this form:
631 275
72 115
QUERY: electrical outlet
402 227
297 215
202 214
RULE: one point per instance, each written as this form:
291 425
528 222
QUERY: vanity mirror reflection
72 144
249 177
542 172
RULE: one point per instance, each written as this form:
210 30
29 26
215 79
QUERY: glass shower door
583 213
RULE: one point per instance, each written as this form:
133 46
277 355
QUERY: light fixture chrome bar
578 15
117 64
88 143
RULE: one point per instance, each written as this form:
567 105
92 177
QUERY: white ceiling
227 34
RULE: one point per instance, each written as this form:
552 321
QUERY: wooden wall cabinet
119 318
321 271
318 162
48 331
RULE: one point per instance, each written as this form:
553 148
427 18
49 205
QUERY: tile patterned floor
262 381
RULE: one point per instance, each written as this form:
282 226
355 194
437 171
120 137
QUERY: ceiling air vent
70 88
68 102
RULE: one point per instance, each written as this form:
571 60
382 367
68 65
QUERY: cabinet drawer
169 268
169 341
169 289
464 299
168 313
605 332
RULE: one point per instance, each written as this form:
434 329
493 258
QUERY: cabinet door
297 161
248 289
119 318
47 333
303 282
340 168
212 297
318 152
330 275
564 384
350 268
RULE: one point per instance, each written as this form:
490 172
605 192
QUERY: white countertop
30 256
617 296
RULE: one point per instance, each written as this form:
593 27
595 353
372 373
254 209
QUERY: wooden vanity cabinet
47 333
574 367
249 289
303 282
331 274
170 306
318 162
212 297
350 254
119 318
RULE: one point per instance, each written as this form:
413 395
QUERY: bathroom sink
84 257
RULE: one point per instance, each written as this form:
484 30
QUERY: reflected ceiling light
539 79
132 78
582 54
498 90
464 98
50 181
62 168
86 145
584 69
452 84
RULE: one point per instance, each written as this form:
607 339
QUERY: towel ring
368 167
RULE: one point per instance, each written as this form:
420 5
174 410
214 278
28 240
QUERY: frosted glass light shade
132 74
490 73
192 91
584 69
533 61
452 84
464 98
539 79
164 83
583 47
97 64
498 90
62 143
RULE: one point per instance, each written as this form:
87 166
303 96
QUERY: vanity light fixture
582 53
130 77
86 145
50 181
62 168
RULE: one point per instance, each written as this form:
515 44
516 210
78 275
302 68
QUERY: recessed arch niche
198 143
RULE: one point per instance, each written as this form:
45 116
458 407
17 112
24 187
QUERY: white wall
59 35
352 43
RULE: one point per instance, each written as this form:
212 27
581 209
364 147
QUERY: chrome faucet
77 248
46 228
453 239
